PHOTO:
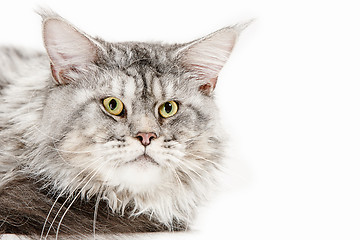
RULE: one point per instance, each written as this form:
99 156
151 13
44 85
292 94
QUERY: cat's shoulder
17 62
13 52
11 57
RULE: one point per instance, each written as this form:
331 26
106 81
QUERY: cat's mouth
144 159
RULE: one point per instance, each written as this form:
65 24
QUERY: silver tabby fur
59 133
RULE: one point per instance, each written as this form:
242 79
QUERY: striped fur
59 145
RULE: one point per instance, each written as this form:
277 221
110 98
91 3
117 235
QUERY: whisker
77 195
184 171
187 174
68 198
222 168
48 136
60 195
178 179
76 152
96 212
186 163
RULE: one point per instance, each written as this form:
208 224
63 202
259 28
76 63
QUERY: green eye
113 106
168 109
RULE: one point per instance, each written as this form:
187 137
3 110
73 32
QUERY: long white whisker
178 179
95 214
76 152
184 171
222 168
72 202
68 198
60 195
193 181
98 202
185 162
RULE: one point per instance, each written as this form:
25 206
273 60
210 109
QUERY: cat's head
135 123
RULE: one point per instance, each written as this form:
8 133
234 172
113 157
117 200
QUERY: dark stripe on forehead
145 85
146 76
122 84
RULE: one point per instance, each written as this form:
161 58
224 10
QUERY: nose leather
145 137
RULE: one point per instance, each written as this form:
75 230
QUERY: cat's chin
143 160
140 175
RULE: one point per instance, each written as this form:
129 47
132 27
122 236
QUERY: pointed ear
205 57
68 48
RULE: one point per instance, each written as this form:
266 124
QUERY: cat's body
70 165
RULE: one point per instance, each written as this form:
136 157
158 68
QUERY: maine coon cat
108 137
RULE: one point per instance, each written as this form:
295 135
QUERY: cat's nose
145 138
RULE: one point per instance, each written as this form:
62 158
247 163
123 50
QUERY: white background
290 102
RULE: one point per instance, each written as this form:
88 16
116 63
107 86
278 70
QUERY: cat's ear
68 48
205 57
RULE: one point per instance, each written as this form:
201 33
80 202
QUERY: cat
100 137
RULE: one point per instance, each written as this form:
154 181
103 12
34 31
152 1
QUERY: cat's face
133 122
165 108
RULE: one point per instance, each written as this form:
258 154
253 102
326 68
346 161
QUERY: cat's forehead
142 56
144 71
143 84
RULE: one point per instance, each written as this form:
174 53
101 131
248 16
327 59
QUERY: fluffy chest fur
71 157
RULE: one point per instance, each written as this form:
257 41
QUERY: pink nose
145 138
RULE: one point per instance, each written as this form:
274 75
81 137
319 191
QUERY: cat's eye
168 109
113 105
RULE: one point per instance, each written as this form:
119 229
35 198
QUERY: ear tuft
68 48
205 57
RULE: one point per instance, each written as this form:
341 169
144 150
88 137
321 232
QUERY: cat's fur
66 163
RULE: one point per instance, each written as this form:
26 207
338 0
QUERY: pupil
112 104
168 107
